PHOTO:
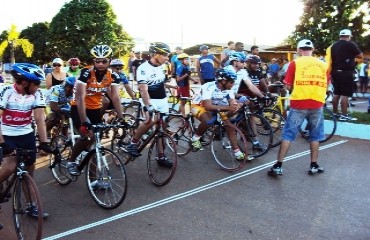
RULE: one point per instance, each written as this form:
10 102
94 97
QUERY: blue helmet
27 71
70 81
238 56
225 74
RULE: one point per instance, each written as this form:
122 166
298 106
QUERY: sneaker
239 156
315 170
347 118
132 150
203 141
33 212
72 169
275 171
100 184
259 146
197 145
164 162
250 157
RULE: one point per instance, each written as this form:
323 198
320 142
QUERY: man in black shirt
341 59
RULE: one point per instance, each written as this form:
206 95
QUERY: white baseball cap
345 32
58 60
305 43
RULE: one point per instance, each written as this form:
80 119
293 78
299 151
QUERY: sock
195 138
314 165
255 142
278 165
134 141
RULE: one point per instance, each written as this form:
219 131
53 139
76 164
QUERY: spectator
239 47
283 70
175 62
57 76
341 59
129 68
137 62
255 50
273 70
205 65
364 77
227 51
306 102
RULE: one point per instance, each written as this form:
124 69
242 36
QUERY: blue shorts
27 141
315 119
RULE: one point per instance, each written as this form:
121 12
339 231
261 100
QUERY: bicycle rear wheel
122 136
26 197
107 186
59 168
222 149
330 126
181 133
277 122
161 175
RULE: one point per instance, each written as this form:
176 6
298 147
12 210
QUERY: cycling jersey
123 78
210 91
17 116
154 77
207 66
97 83
58 95
254 77
74 73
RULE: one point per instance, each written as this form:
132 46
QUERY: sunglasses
56 65
232 82
104 61
37 83
74 65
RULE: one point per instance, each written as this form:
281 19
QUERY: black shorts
343 82
27 141
94 115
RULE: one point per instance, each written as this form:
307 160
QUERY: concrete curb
353 130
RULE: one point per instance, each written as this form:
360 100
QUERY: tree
82 24
323 19
13 41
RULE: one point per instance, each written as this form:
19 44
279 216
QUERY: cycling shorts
27 141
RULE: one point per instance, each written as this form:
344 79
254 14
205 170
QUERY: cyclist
244 88
60 98
117 65
151 80
18 103
74 69
216 96
86 107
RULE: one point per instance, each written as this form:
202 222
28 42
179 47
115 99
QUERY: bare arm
144 93
116 101
253 88
39 116
48 81
129 90
80 102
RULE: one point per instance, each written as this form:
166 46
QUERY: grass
362 117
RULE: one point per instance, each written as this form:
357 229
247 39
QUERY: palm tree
14 41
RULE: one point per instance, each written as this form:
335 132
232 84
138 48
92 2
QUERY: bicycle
26 199
105 173
157 140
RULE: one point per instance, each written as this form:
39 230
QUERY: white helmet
117 62
101 51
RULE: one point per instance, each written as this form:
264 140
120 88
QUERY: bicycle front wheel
27 202
181 133
59 168
222 149
108 185
159 172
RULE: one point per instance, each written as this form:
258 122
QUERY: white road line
186 194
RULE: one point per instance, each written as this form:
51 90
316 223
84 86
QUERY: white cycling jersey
17 110
211 91
154 77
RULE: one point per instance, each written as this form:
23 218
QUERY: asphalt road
204 202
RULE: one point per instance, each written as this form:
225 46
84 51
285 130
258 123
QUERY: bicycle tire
25 195
330 126
181 133
59 170
160 176
222 150
122 136
263 134
132 109
277 122
112 179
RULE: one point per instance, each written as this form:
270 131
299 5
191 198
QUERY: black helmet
254 59
159 47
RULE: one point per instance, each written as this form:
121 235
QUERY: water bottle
80 157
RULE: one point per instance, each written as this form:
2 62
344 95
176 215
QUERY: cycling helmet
225 74
182 56
159 47
254 59
238 56
117 62
70 81
27 71
74 61
101 51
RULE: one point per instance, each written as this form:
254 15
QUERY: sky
184 23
